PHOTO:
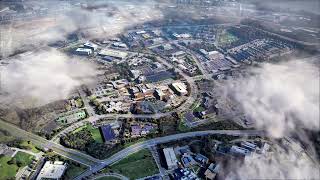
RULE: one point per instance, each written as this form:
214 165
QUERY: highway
116 175
59 149
96 164
152 142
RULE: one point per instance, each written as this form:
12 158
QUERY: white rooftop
170 157
52 170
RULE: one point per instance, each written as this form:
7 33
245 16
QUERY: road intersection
95 164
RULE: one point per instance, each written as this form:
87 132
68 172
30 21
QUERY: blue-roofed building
187 160
108 133
201 159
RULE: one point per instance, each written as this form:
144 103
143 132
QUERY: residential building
135 130
171 159
52 170
102 89
141 130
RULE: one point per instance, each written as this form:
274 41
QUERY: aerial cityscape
159 89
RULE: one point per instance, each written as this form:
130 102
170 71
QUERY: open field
24 158
74 170
95 132
7 171
29 146
136 165
226 38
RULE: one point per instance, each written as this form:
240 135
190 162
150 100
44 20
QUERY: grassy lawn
95 132
227 38
78 129
24 158
7 171
136 165
199 109
74 171
29 146
182 126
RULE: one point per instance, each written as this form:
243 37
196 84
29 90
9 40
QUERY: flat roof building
52 170
71 117
239 151
83 51
180 88
91 46
107 132
171 158
113 53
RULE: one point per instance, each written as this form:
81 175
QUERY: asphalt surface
96 164
59 149
152 142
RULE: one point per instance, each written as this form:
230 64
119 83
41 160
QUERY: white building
119 44
91 46
239 151
180 88
215 55
52 170
84 51
171 158
113 53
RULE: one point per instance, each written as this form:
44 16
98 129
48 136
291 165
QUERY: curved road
152 142
110 175
189 101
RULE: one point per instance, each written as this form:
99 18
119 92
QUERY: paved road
94 117
36 155
152 142
95 164
122 177
59 149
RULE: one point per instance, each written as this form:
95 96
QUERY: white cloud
276 165
278 97
106 20
42 77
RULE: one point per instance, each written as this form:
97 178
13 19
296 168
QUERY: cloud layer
41 77
278 97
278 164
100 20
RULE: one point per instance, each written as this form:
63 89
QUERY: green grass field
24 158
182 127
95 132
136 165
74 171
29 146
7 171
227 38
